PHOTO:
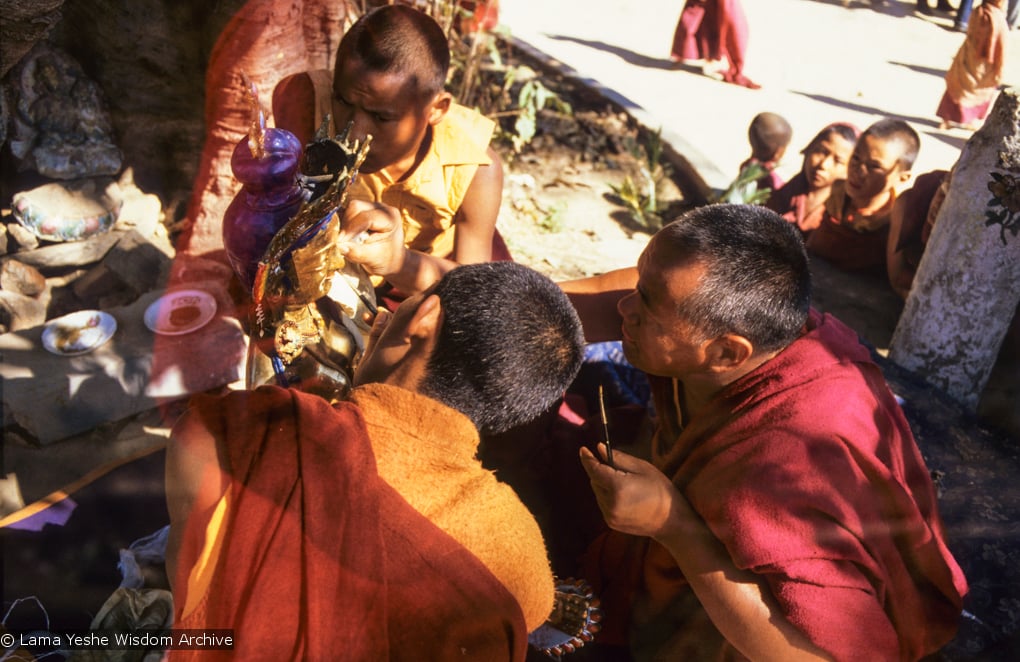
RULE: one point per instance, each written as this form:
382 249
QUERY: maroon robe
806 470
711 30
790 202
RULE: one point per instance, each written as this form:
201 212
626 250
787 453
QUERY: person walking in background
924 7
1013 14
711 30
976 71
963 15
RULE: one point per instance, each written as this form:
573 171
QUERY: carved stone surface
25 23
149 58
62 128
967 286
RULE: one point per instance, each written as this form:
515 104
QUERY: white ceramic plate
78 333
180 311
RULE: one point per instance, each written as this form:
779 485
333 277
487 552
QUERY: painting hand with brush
785 511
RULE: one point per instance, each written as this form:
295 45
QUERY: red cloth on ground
322 559
807 471
712 29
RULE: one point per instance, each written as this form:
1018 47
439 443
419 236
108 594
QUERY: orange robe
321 558
976 71
849 239
430 196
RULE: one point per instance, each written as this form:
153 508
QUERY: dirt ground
560 216
557 216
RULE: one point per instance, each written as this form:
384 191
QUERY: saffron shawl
976 70
324 560
848 239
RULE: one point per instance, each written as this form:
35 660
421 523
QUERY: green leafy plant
640 193
532 97
480 76
552 218
744 189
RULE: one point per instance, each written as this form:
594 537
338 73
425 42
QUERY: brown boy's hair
847 132
769 134
892 129
400 39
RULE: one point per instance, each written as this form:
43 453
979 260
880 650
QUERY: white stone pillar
967 286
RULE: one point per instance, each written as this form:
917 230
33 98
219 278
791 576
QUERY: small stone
23 237
18 311
21 278
96 283
139 263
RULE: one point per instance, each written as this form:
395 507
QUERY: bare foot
714 69
742 80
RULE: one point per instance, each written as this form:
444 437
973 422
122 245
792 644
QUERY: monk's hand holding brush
633 495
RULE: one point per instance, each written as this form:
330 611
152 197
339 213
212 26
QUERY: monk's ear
427 318
439 106
727 352
902 177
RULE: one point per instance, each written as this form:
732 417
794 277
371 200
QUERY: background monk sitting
913 218
855 228
368 529
430 157
769 135
802 200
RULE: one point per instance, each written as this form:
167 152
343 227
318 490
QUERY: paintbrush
605 427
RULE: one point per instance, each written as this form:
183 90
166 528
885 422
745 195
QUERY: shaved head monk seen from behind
786 512
368 529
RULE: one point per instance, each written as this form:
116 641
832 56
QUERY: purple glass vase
270 196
